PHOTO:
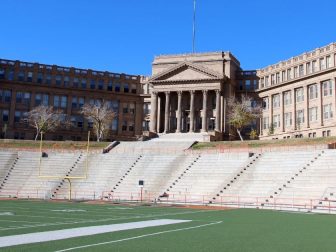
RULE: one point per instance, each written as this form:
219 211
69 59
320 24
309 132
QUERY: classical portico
189 93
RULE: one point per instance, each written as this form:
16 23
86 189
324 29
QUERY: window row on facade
313 114
313 93
60 101
297 71
67 81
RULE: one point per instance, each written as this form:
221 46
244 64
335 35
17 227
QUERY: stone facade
189 92
24 85
186 93
299 96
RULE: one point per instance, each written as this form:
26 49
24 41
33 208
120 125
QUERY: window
2 73
19 97
287 98
58 80
262 82
322 64
276 101
240 83
125 108
115 124
39 78
283 76
146 108
29 76
19 116
266 81
131 126
63 102
48 79
272 79
66 81
308 68
110 86
117 87
74 102
92 84
126 88
277 78
300 116
312 114
299 95
301 70
327 88
314 66
265 103
265 123
41 99
60 101
21 76
255 85
132 108
23 97
288 119
10 75
7 96
80 102
247 84
276 121
327 111
75 82
289 74
328 61
83 83
5 115
124 126
295 72
133 88
101 84
313 91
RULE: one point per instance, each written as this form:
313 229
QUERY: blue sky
125 35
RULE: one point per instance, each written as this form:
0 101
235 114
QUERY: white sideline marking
138 237
6 213
68 210
101 220
12 240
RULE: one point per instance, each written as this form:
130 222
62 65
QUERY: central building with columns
189 92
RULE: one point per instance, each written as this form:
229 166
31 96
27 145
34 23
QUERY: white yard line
101 220
138 237
12 240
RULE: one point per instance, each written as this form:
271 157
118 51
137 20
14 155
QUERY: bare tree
241 112
44 119
101 115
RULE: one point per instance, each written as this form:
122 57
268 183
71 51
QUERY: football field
62 226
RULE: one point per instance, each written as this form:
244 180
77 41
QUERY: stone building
189 93
298 96
186 93
24 85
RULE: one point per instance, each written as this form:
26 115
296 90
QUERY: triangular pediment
185 71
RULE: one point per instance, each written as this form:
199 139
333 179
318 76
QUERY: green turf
238 230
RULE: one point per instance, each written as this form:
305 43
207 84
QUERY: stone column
179 111
282 111
166 125
192 111
294 109
218 95
261 126
158 120
271 111
321 102
204 118
153 116
306 93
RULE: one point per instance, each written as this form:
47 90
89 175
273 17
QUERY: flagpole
194 28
